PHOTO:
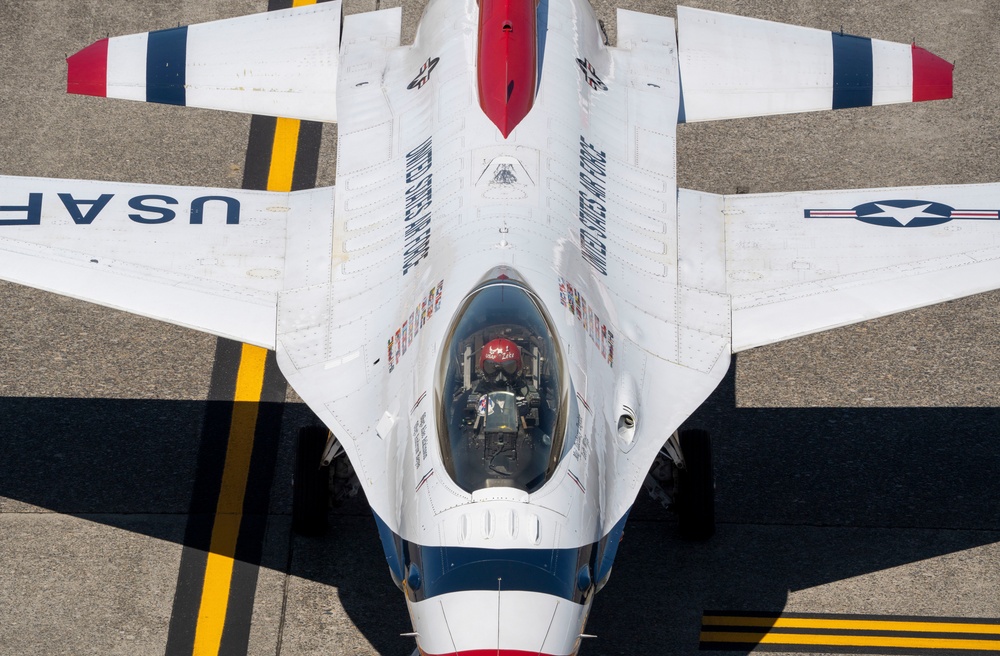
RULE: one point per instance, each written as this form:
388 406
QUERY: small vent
626 402
626 425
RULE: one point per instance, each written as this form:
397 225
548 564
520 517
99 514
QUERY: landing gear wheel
311 485
696 486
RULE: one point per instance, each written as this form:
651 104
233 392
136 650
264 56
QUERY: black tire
311 485
696 487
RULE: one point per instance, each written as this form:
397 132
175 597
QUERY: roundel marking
904 213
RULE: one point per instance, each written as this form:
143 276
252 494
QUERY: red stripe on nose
507 61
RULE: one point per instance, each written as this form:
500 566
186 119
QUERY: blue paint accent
609 549
456 569
391 545
852 71
72 206
681 118
541 32
139 203
441 570
166 58
232 209
583 579
33 212
413 580
938 213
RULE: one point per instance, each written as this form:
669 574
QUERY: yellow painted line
229 510
850 641
286 139
250 378
857 624
249 382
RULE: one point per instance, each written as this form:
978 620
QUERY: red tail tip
87 70
932 76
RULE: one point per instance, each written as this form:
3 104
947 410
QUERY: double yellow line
828 633
249 382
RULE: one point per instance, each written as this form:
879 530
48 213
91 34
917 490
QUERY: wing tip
87 70
932 76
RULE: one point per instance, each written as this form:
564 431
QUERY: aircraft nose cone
508 623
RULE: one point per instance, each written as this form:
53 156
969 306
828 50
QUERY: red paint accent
489 652
507 60
88 70
500 351
931 76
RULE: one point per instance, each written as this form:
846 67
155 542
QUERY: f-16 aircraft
506 307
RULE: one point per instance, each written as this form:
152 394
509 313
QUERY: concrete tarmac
857 469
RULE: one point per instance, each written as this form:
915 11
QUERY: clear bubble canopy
502 395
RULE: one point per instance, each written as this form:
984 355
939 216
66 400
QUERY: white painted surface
127 67
790 275
733 66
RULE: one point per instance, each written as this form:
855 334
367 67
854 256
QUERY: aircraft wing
733 67
278 63
208 259
802 262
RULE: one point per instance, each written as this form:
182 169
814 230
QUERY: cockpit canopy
502 396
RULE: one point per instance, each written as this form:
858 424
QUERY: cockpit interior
503 395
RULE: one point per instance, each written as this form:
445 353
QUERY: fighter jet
506 308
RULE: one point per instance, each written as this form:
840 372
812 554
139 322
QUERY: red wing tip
87 70
932 76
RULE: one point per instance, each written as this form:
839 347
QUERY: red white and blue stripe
280 63
903 213
733 66
150 67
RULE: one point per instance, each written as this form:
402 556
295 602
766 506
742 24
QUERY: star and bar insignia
903 213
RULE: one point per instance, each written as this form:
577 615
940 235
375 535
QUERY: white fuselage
579 203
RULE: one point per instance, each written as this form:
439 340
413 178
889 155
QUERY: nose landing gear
682 479
322 473
311 484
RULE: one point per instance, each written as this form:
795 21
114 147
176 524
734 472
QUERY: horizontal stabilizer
802 262
209 259
278 63
734 67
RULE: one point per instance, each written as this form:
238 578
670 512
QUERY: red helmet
500 355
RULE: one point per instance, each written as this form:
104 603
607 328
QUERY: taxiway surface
856 468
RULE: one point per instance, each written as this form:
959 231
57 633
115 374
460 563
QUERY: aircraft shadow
880 481
805 497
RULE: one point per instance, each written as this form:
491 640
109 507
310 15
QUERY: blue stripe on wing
852 71
166 59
